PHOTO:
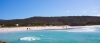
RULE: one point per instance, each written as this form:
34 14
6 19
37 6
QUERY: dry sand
13 29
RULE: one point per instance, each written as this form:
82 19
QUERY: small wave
89 29
29 38
83 29
41 35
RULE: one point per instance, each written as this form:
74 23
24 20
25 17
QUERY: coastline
15 29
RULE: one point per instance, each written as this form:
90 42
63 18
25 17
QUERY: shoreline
15 29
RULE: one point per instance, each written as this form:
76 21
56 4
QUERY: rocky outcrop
3 42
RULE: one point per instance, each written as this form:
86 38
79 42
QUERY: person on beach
27 28
66 26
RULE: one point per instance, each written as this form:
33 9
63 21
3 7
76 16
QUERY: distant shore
14 29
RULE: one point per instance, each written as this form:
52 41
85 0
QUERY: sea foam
29 38
82 29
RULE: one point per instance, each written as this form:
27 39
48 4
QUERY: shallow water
83 35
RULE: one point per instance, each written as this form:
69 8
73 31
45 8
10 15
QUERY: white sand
13 29
31 28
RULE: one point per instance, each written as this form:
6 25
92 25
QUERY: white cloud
96 15
93 8
84 11
96 7
90 8
95 11
67 11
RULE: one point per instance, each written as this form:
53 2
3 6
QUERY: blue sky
19 9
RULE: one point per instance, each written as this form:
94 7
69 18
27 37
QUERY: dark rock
3 42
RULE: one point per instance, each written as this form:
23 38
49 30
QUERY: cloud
67 11
93 8
96 7
90 8
95 11
96 15
84 11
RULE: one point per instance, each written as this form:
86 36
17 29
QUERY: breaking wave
83 29
29 38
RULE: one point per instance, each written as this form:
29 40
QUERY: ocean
79 35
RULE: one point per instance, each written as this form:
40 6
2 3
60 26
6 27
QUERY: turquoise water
53 36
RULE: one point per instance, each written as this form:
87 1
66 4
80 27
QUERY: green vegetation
43 21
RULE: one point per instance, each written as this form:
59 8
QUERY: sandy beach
14 29
11 29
